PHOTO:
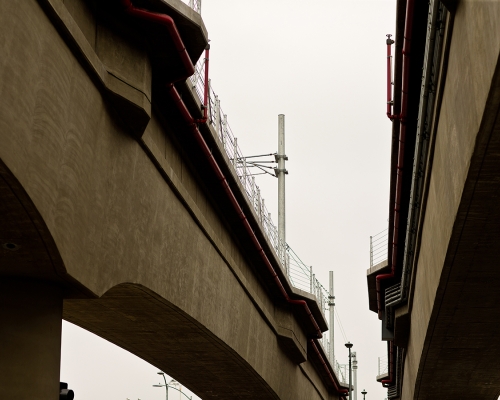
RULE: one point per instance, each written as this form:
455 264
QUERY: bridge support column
30 340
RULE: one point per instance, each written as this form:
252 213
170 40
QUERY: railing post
253 193
217 116
262 212
244 173
259 207
235 155
371 252
224 130
311 279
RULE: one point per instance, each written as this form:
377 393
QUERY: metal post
281 184
355 375
349 346
263 212
350 375
224 131
217 116
253 192
311 279
331 305
235 155
245 173
371 252
259 206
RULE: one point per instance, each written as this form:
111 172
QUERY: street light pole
364 392
349 346
166 386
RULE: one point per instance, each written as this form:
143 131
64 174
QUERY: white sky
322 64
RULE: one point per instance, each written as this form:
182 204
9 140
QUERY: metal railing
194 4
378 248
301 275
383 366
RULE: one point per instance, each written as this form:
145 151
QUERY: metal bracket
277 157
278 170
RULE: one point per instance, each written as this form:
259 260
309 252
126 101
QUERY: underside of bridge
438 296
111 215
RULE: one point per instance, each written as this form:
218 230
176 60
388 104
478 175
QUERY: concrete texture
452 318
104 197
30 337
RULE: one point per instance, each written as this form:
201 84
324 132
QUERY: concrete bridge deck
445 324
112 220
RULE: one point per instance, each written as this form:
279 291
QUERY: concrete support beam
30 340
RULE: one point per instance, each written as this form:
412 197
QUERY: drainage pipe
424 116
193 124
225 185
400 163
170 24
399 171
315 348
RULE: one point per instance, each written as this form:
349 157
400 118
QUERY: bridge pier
30 339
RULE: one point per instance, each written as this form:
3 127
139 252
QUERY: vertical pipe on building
331 305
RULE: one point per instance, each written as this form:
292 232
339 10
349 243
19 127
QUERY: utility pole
349 346
355 375
280 172
331 305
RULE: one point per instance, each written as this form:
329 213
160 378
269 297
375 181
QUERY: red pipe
168 21
172 29
343 391
222 179
389 42
402 133
399 171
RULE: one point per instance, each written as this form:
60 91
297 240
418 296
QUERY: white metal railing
383 366
378 248
194 4
301 275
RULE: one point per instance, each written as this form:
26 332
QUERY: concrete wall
468 103
146 258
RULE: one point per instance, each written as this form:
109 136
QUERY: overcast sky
322 64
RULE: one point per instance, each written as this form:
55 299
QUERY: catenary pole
281 186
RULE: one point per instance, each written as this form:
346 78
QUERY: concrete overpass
438 294
114 215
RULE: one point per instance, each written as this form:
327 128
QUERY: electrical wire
340 325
